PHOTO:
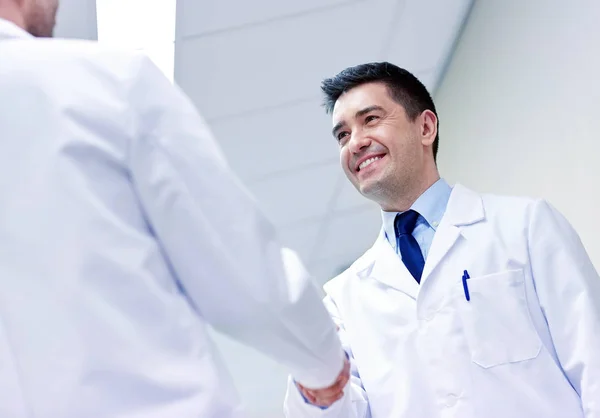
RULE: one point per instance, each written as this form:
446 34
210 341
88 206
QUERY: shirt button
435 223
451 400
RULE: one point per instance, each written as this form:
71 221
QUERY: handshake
327 396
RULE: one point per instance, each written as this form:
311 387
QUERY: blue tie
409 248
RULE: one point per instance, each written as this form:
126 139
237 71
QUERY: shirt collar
431 205
9 30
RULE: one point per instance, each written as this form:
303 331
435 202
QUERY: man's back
112 257
88 304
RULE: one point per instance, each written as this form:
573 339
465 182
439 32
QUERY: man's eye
341 135
370 118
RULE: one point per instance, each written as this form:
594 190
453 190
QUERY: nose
358 142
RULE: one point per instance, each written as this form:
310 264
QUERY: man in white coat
467 305
123 235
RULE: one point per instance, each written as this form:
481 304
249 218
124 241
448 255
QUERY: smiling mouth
368 162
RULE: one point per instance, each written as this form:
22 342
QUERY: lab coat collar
8 30
381 263
465 207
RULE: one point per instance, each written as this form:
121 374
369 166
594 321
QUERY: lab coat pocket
498 325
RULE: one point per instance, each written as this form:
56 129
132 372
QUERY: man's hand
328 396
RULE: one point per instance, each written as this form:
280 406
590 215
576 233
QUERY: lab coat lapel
465 207
383 264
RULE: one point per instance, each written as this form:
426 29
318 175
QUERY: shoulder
506 207
510 209
507 202
497 206
516 212
65 59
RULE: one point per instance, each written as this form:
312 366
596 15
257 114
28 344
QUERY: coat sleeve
354 403
568 288
221 249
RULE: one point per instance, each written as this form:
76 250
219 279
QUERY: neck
404 202
11 12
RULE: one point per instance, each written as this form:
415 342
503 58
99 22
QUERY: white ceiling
254 70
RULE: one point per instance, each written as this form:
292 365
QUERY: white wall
519 106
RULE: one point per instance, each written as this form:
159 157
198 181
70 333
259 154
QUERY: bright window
145 25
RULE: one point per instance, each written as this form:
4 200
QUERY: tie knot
405 222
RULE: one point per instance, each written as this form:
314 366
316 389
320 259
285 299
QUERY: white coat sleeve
221 249
568 288
354 403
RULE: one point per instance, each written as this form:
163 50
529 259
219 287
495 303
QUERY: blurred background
515 83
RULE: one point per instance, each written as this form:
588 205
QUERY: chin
368 188
377 190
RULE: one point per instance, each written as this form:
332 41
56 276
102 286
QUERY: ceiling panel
301 237
426 33
327 269
346 236
199 17
280 62
277 139
430 78
297 195
348 198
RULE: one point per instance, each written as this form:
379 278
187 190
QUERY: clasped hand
328 396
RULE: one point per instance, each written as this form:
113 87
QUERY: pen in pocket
466 277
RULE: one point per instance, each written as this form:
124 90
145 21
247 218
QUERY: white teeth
367 162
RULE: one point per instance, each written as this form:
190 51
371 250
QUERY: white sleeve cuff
327 375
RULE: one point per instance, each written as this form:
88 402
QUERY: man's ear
428 124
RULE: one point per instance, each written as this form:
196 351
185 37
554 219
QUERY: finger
328 397
341 381
327 393
309 396
339 385
331 391
330 400
344 384
344 375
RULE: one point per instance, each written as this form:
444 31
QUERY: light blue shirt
431 206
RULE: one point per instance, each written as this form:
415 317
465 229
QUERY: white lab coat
123 235
526 345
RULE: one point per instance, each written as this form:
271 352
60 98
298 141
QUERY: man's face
381 150
40 17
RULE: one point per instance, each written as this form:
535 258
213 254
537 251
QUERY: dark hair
404 88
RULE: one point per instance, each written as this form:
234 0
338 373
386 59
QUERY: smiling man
467 305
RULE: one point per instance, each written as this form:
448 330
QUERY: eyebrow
357 115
